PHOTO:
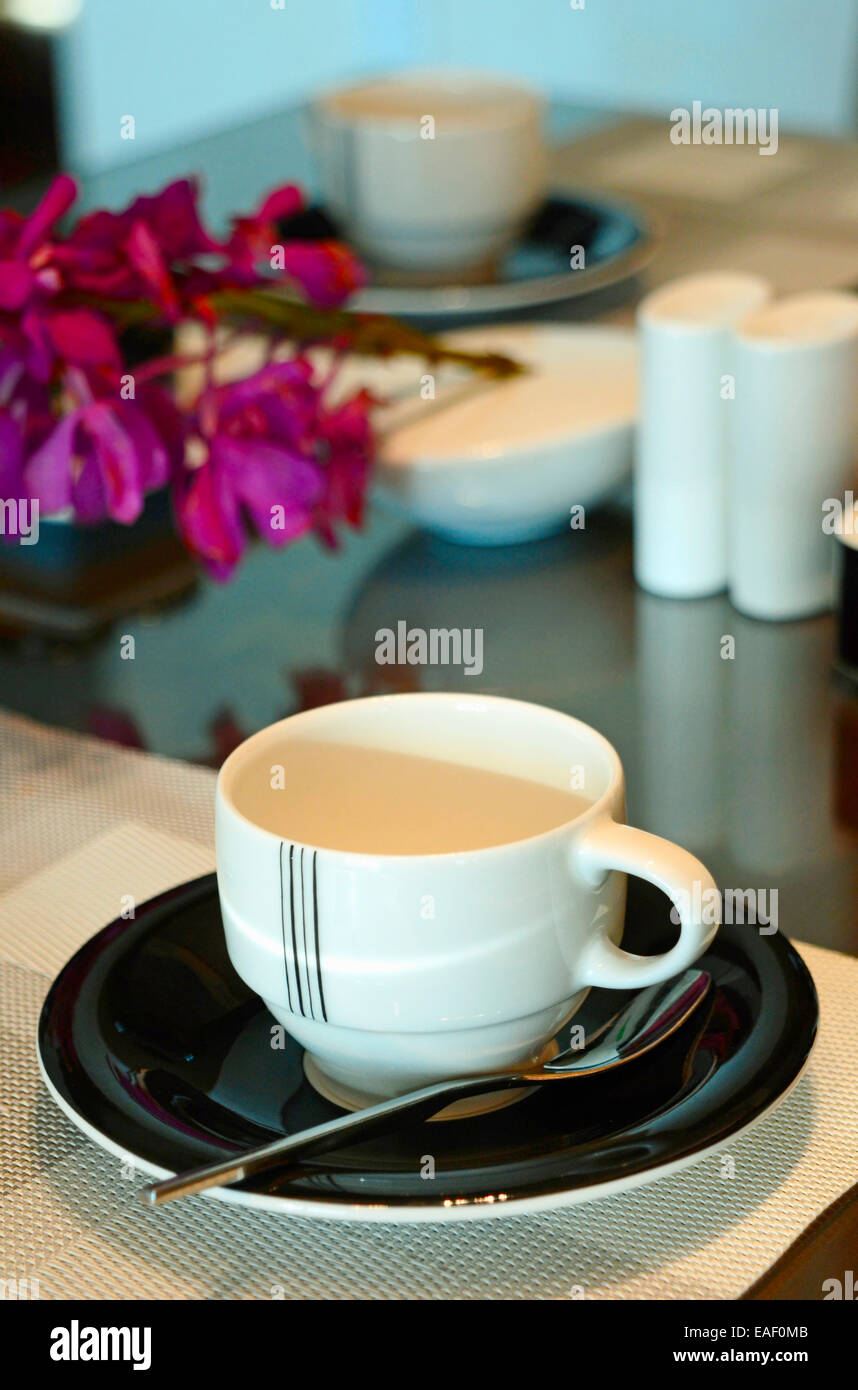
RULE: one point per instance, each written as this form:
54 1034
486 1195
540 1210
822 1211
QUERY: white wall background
183 68
186 67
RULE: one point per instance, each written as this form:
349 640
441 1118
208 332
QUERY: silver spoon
647 1020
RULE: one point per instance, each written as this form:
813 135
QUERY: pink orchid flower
30 279
274 456
268 456
26 274
326 271
100 459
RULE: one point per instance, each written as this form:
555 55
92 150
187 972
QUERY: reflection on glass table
749 759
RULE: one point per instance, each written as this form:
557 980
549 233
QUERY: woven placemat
84 824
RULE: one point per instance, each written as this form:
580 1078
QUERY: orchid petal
83 337
153 462
55 203
40 355
279 203
209 521
48 473
327 271
89 498
264 477
11 455
118 462
173 217
145 256
17 283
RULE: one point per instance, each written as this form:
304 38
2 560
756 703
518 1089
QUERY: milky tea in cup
375 801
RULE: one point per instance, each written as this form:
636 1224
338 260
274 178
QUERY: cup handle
607 845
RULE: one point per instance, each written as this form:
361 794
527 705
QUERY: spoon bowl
641 1025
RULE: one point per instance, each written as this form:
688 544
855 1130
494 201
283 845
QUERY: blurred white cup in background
430 172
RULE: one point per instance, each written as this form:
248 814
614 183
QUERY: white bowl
494 462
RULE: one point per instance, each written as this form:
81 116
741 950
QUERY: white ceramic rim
469 1210
750 294
753 334
524 101
601 806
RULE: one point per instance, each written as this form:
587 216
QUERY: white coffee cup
430 171
385 997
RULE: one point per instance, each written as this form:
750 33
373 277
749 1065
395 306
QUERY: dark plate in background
618 241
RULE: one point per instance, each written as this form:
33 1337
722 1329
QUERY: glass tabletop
748 759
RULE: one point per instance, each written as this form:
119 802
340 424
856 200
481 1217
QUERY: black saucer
617 240
155 1048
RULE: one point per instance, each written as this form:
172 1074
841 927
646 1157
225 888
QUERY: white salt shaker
681 469
795 431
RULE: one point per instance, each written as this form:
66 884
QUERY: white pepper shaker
680 491
794 437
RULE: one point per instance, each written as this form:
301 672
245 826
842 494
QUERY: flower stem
374 335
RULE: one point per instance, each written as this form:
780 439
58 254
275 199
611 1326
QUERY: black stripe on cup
316 942
299 901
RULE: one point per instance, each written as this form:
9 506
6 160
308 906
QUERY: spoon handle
352 1128
634 1030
